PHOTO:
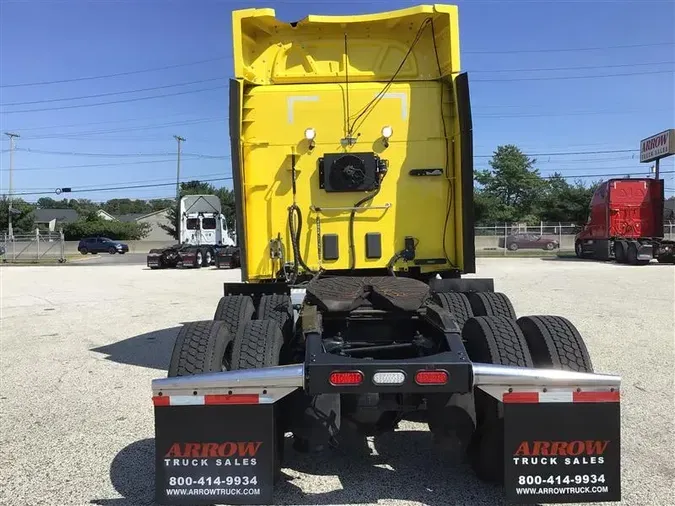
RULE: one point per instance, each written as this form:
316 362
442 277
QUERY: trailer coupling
216 433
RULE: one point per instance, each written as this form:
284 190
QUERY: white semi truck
204 238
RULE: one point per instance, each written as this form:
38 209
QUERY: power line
118 74
77 106
550 69
113 155
562 78
130 187
112 93
565 50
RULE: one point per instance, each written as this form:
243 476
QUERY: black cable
294 211
449 196
352 252
370 105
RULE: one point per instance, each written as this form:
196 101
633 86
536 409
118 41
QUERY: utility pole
11 136
179 139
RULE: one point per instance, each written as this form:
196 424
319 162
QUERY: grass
523 254
41 261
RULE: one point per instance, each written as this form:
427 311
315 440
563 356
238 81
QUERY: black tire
491 304
620 252
493 340
632 255
208 258
457 303
258 345
199 258
496 340
278 308
554 342
550 246
203 346
234 310
84 251
579 250
112 251
513 246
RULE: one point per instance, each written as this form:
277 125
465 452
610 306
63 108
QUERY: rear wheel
632 255
457 304
199 258
492 340
491 304
620 252
234 310
202 346
579 249
208 258
554 342
258 345
278 308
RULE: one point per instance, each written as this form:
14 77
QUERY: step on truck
351 141
625 223
204 238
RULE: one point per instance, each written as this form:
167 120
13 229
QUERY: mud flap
214 454
562 450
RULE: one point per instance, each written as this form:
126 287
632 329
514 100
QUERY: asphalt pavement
81 346
108 259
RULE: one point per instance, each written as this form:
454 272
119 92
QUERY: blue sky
542 111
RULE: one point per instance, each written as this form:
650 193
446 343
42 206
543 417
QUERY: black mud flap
214 454
559 452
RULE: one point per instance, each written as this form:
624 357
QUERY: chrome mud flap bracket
561 433
216 435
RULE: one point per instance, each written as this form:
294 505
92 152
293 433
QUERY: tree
50 203
23 221
510 187
561 201
92 225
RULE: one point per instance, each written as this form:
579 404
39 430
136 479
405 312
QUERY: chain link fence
33 247
541 238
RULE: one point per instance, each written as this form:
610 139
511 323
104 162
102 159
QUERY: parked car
101 245
529 241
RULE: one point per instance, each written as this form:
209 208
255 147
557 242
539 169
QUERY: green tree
508 190
561 201
50 203
126 206
91 225
23 220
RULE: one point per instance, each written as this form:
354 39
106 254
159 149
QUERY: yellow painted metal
294 78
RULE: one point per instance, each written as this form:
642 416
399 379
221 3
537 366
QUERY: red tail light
431 377
345 378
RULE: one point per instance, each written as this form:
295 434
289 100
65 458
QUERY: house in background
51 220
155 219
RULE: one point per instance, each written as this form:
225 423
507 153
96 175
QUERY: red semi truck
626 223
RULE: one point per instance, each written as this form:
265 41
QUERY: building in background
51 220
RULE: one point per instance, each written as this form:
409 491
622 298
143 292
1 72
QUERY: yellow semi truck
352 163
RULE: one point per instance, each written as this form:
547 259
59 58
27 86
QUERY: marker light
388 378
345 378
431 377
310 133
387 132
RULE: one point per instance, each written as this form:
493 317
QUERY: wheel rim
199 258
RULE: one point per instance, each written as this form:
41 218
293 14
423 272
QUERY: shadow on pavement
132 473
152 349
408 468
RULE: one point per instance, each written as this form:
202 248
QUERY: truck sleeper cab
351 141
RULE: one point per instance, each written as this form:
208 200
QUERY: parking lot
81 345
